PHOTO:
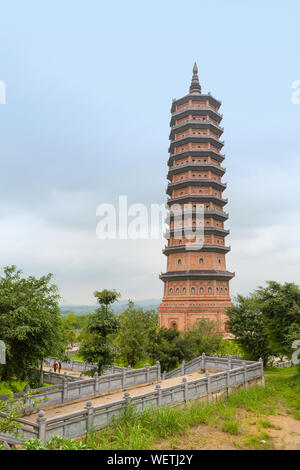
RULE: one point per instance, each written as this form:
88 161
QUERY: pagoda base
183 314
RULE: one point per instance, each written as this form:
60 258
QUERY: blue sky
89 88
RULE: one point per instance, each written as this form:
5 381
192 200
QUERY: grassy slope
243 421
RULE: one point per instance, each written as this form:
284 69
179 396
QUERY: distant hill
117 307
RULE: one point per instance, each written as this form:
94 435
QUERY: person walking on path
55 366
59 366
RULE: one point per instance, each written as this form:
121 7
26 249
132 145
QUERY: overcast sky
89 87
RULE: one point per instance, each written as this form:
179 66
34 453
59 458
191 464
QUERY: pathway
77 405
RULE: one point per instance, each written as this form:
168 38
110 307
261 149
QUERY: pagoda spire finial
195 85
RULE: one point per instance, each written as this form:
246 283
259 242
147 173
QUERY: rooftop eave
195 166
197 274
196 97
196 153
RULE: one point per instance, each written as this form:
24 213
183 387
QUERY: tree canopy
265 322
97 345
30 322
133 338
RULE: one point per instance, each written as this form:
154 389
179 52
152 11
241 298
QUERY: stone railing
56 378
282 364
73 390
82 366
95 418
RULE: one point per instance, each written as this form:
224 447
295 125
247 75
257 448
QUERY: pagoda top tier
195 93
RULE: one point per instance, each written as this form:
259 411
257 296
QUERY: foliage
280 305
8 423
168 347
30 322
57 443
202 337
97 345
13 409
230 347
265 322
247 324
133 339
107 297
146 430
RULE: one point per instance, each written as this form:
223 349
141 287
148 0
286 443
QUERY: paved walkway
77 405
74 373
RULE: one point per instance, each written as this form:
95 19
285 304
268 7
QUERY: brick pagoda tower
196 284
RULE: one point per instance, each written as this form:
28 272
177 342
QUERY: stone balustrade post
158 391
185 389
262 371
228 380
183 367
203 361
41 421
96 378
90 416
245 374
164 375
127 399
124 378
27 401
72 363
208 383
158 370
229 365
65 388
147 373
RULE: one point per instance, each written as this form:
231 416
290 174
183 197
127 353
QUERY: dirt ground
77 405
203 437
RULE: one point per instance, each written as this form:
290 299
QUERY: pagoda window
179 261
193 290
184 290
201 290
209 290
201 260
171 290
177 290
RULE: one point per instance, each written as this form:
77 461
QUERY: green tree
168 347
133 338
292 335
97 345
202 337
280 306
70 324
246 322
30 322
107 297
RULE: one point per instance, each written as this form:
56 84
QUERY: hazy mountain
117 307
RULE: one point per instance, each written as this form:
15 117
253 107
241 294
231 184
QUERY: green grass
12 386
15 386
232 427
141 431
